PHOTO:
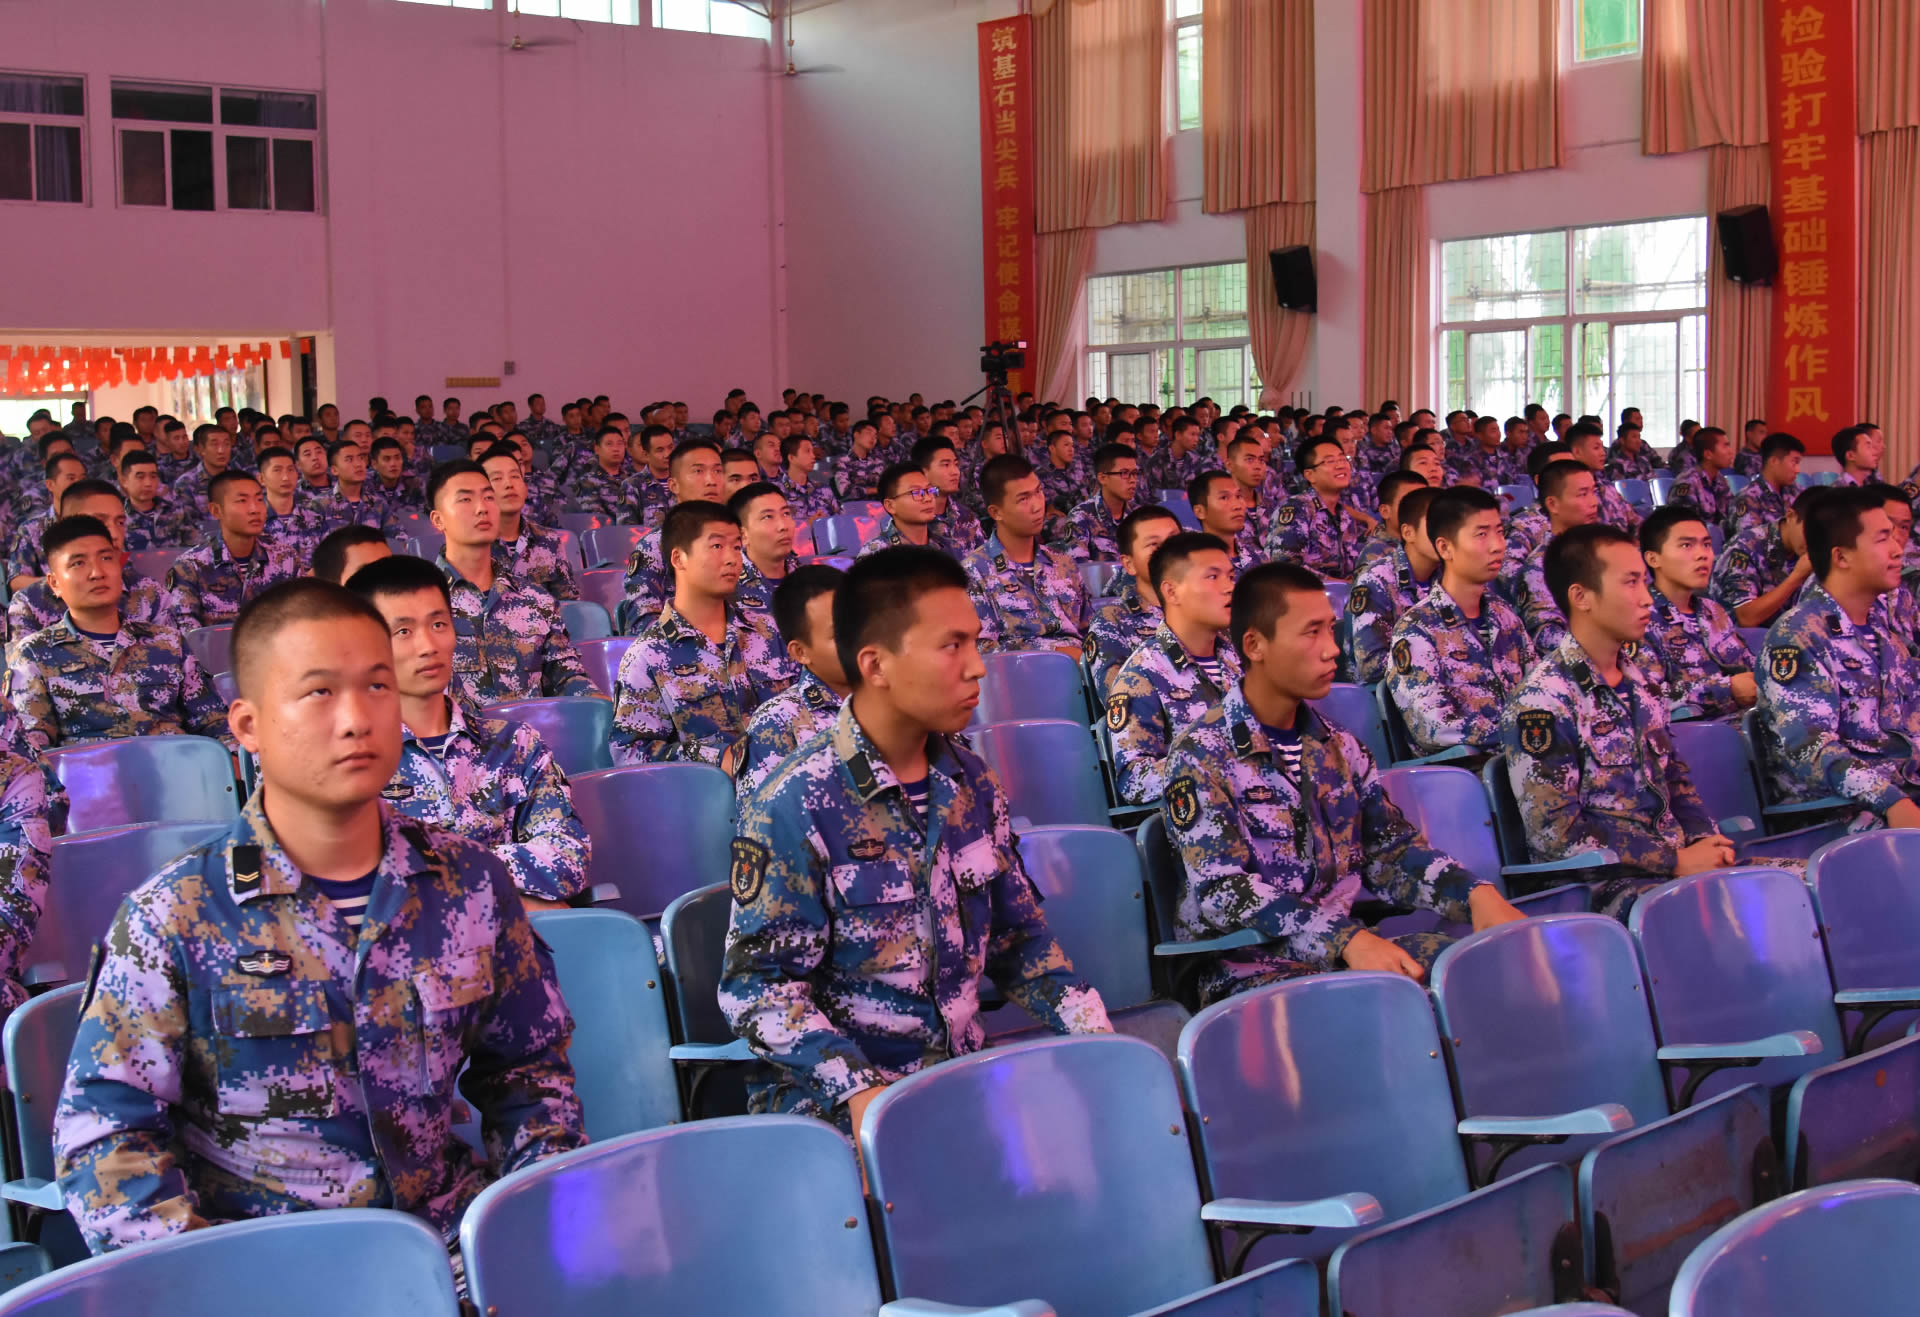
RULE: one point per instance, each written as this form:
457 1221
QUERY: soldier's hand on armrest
1371 951
1490 908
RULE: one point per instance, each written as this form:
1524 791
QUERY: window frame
221 132
656 16
1574 13
36 119
1176 348
1177 25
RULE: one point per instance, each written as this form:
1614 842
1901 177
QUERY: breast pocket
273 1050
1615 767
452 988
880 923
1274 831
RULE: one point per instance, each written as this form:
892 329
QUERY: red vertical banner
1810 113
1006 182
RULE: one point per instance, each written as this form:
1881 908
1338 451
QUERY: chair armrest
928 1308
1603 1118
604 893
1683 712
1583 860
1341 1211
1447 755
1736 825
34 1192
711 1053
1795 1042
46 972
1807 806
1244 937
1878 997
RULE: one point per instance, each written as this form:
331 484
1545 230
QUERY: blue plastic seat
570 550
1060 1170
1049 769
1100 578
1756 638
1842 1249
153 562
89 875
694 932
399 1268
1716 761
226 687
605 586
1856 1118
1737 482
1337 594
212 647
1450 808
839 533
1517 496
575 728
1778 813
1637 493
37 1039
1867 891
1353 708
1400 748
608 976
585 620
145 779
1031 684
601 658
1177 502
447 453
609 546
1660 487
1523 871
652 865
579 522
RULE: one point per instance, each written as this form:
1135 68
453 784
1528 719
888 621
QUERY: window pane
143 169
1693 372
686 15
1223 375
1646 375
1187 392
1213 301
1593 380
731 21
292 173
22 94
1547 366
247 186
192 169
1608 28
1130 377
1656 266
1097 374
16 162
456 4
1514 277
1187 8
56 162
1497 372
1453 361
1186 78
1163 375
1131 308
269 109
161 100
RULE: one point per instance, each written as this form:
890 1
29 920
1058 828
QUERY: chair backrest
448 453
1032 684
612 986
1737 482
654 865
1845 1248
1519 496
1857 1118
1752 737
1177 502
399 1269
1353 708
609 546
1163 872
226 687
1337 592
839 533
586 620
601 658
1049 769
1649 1196
575 728
694 931
1509 830
1516 1234
1660 487
1099 577
1716 760
579 522
1393 723
212 647
605 586
1635 491
1056 1169
750 1214
153 562
1867 889
1095 903
91 873
37 1038
1736 954
1450 808
145 779
1276 1076
1756 638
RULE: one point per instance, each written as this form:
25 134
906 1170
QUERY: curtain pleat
1703 75
1062 262
1889 276
1280 337
1398 331
1257 118
1887 42
1099 134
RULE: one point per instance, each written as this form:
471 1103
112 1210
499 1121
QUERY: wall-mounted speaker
1746 245
1294 286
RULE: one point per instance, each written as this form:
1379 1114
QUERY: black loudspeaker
1746 245
1294 286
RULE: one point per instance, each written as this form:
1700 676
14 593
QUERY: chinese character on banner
1006 183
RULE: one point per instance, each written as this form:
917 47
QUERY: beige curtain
1257 102
1889 276
1458 89
1099 136
1703 76
1887 41
1062 262
1398 339
1280 337
1739 316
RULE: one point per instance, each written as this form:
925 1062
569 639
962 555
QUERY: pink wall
598 212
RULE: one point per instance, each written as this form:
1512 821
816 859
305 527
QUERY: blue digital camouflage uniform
890 536
538 556
679 696
861 932
161 526
509 642
32 805
406 492
1068 485
1746 462
172 468
1379 543
781 725
1042 604
24 559
189 491
1692 658
243 1053
1641 465
1839 710
1119 627
1304 532
70 689
1527 531
1159 692
1384 589
755 592
807 499
1449 675
207 585
1371 464
1494 468
649 584
1714 497
1091 533
541 431
858 477
1527 590
36 607
1760 504
1289 859
1755 561
299 529
330 511
1162 470
957 530
1593 767
1614 508
612 497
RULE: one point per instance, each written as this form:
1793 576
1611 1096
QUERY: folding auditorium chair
89 874
153 562
448 453
605 586
1177 502
1735 481
570 550
694 933
406 545
1866 890
212 647
575 727
1337 593
1637 493
585 620
1049 769
1845 1248
1032 684
836 534
1061 1170
1400 741
1450 808
145 779
1165 875
1856 1118
749 1214
37 1039
601 658
690 808
226 687
1099 578
1716 760
399 1269
1352 707
579 522
1510 834
1660 487
609 546
1756 638
1776 813
1518 496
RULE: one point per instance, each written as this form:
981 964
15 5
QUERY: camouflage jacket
1065 486
1622 465
1692 658
957 529
1159 692
1305 532
69 689
1527 532
862 932
495 782
24 559
890 535
33 805
1162 470
1494 468
807 499
1119 627
859 477
537 556
648 586
1756 560
612 497
1383 590
1714 497
1091 533
509 642
1040 605
679 696
330 511
781 725
1527 590
188 491
1371 464
1449 676
37 607
207 585
755 592
1614 508
162 526
1288 859
1759 504
243 1053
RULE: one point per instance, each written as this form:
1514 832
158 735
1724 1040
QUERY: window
1580 321
723 18
457 4
42 135
1184 18
196 398
226 148
1605 29
1171 336
592 11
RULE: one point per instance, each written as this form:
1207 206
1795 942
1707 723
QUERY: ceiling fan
771 10
518 42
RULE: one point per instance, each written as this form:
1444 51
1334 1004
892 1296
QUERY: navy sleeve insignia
1783 662
1116 712
1357 601
1536 730
1089 647
1630 649
1402 657
1183 802
1284 514
748 875
1738 560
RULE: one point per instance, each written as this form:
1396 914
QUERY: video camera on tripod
996 359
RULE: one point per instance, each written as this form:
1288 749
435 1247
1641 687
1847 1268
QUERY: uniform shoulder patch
1089 647
748 875
1738 560
1116 712
1783 662
1402 657
1283 515
1536 730
1183 802
1630 649
1357 600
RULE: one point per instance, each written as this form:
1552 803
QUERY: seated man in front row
277 1017
1281 817
876 880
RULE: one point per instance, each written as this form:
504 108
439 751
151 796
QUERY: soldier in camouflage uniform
492 781
95 675
1281 819
684 692
525 549
1318 529
1261 488
1770 493
352 500
1028 596
1066 474
1588 743
1377 454
24 563
1587 445
909 497
193 490
157 525
696 472
1389 585
299 1044
1764 567
1704 484
803 611
33 805
1569 495
766 545
1091 532
605 486
1487 459
858 474
1691 651
807 499
1221 505
1180 460
1385 536
142 599
1122 625
1180 671
873 895
954 528
207 585
172 450
1630 459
